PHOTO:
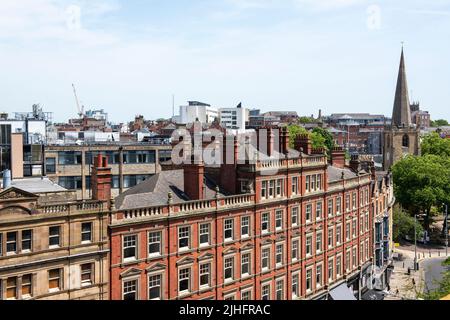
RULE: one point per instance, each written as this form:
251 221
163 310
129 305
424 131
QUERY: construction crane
80 108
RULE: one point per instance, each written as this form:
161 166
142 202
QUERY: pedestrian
413 281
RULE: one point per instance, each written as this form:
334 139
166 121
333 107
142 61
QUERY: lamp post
415 242
446 229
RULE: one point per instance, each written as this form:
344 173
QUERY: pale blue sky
129 57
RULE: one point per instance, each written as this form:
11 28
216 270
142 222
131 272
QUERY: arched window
405 142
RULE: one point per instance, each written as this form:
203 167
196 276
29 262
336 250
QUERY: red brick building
290 228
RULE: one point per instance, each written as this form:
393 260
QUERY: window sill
54 290
204 289
184 294
246 276
129 260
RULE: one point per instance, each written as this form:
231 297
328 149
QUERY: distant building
196 110
233 118
131 163
97 115
23 137
421 119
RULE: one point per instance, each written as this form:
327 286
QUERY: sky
130 56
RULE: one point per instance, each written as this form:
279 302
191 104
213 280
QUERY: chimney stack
338 157
355 163
303 141
228 176
194 174
17 155
270 141
101 179
284 143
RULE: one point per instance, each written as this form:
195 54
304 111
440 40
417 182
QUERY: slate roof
154 191
335 174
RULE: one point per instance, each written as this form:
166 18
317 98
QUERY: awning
342 292
373 295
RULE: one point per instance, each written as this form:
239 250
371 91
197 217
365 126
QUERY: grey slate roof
335 174
154 191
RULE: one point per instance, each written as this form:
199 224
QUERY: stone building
52 246
401 137
289 228
131 163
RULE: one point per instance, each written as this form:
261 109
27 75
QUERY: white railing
142 212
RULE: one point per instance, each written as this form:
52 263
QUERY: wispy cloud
431 12
36 20
327 4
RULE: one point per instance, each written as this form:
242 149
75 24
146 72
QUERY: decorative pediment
206 256
14 193
130 273
229 250
247 246
296 233
156 267
185 260
267 241
281 237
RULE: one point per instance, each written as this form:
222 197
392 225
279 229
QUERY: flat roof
37 185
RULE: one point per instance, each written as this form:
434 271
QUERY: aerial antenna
173 105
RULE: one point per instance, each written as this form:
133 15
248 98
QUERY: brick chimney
355 163
194 174
303 141
101 179
228 176
284 143
338 157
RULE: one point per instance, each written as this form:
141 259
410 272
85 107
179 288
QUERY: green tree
404 225
439 123
317 140
305 120
328 138
295 130
433 144
421 183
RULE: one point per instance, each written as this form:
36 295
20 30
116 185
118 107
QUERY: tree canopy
305 120
404 225
439 123
328 140
433 144
319 138
422 182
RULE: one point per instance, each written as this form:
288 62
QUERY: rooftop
37 185
154 191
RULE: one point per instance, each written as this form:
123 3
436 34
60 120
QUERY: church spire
402 112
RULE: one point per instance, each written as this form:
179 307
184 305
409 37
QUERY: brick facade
256 231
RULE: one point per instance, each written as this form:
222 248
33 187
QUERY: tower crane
80 108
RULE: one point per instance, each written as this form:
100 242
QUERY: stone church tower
402 137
